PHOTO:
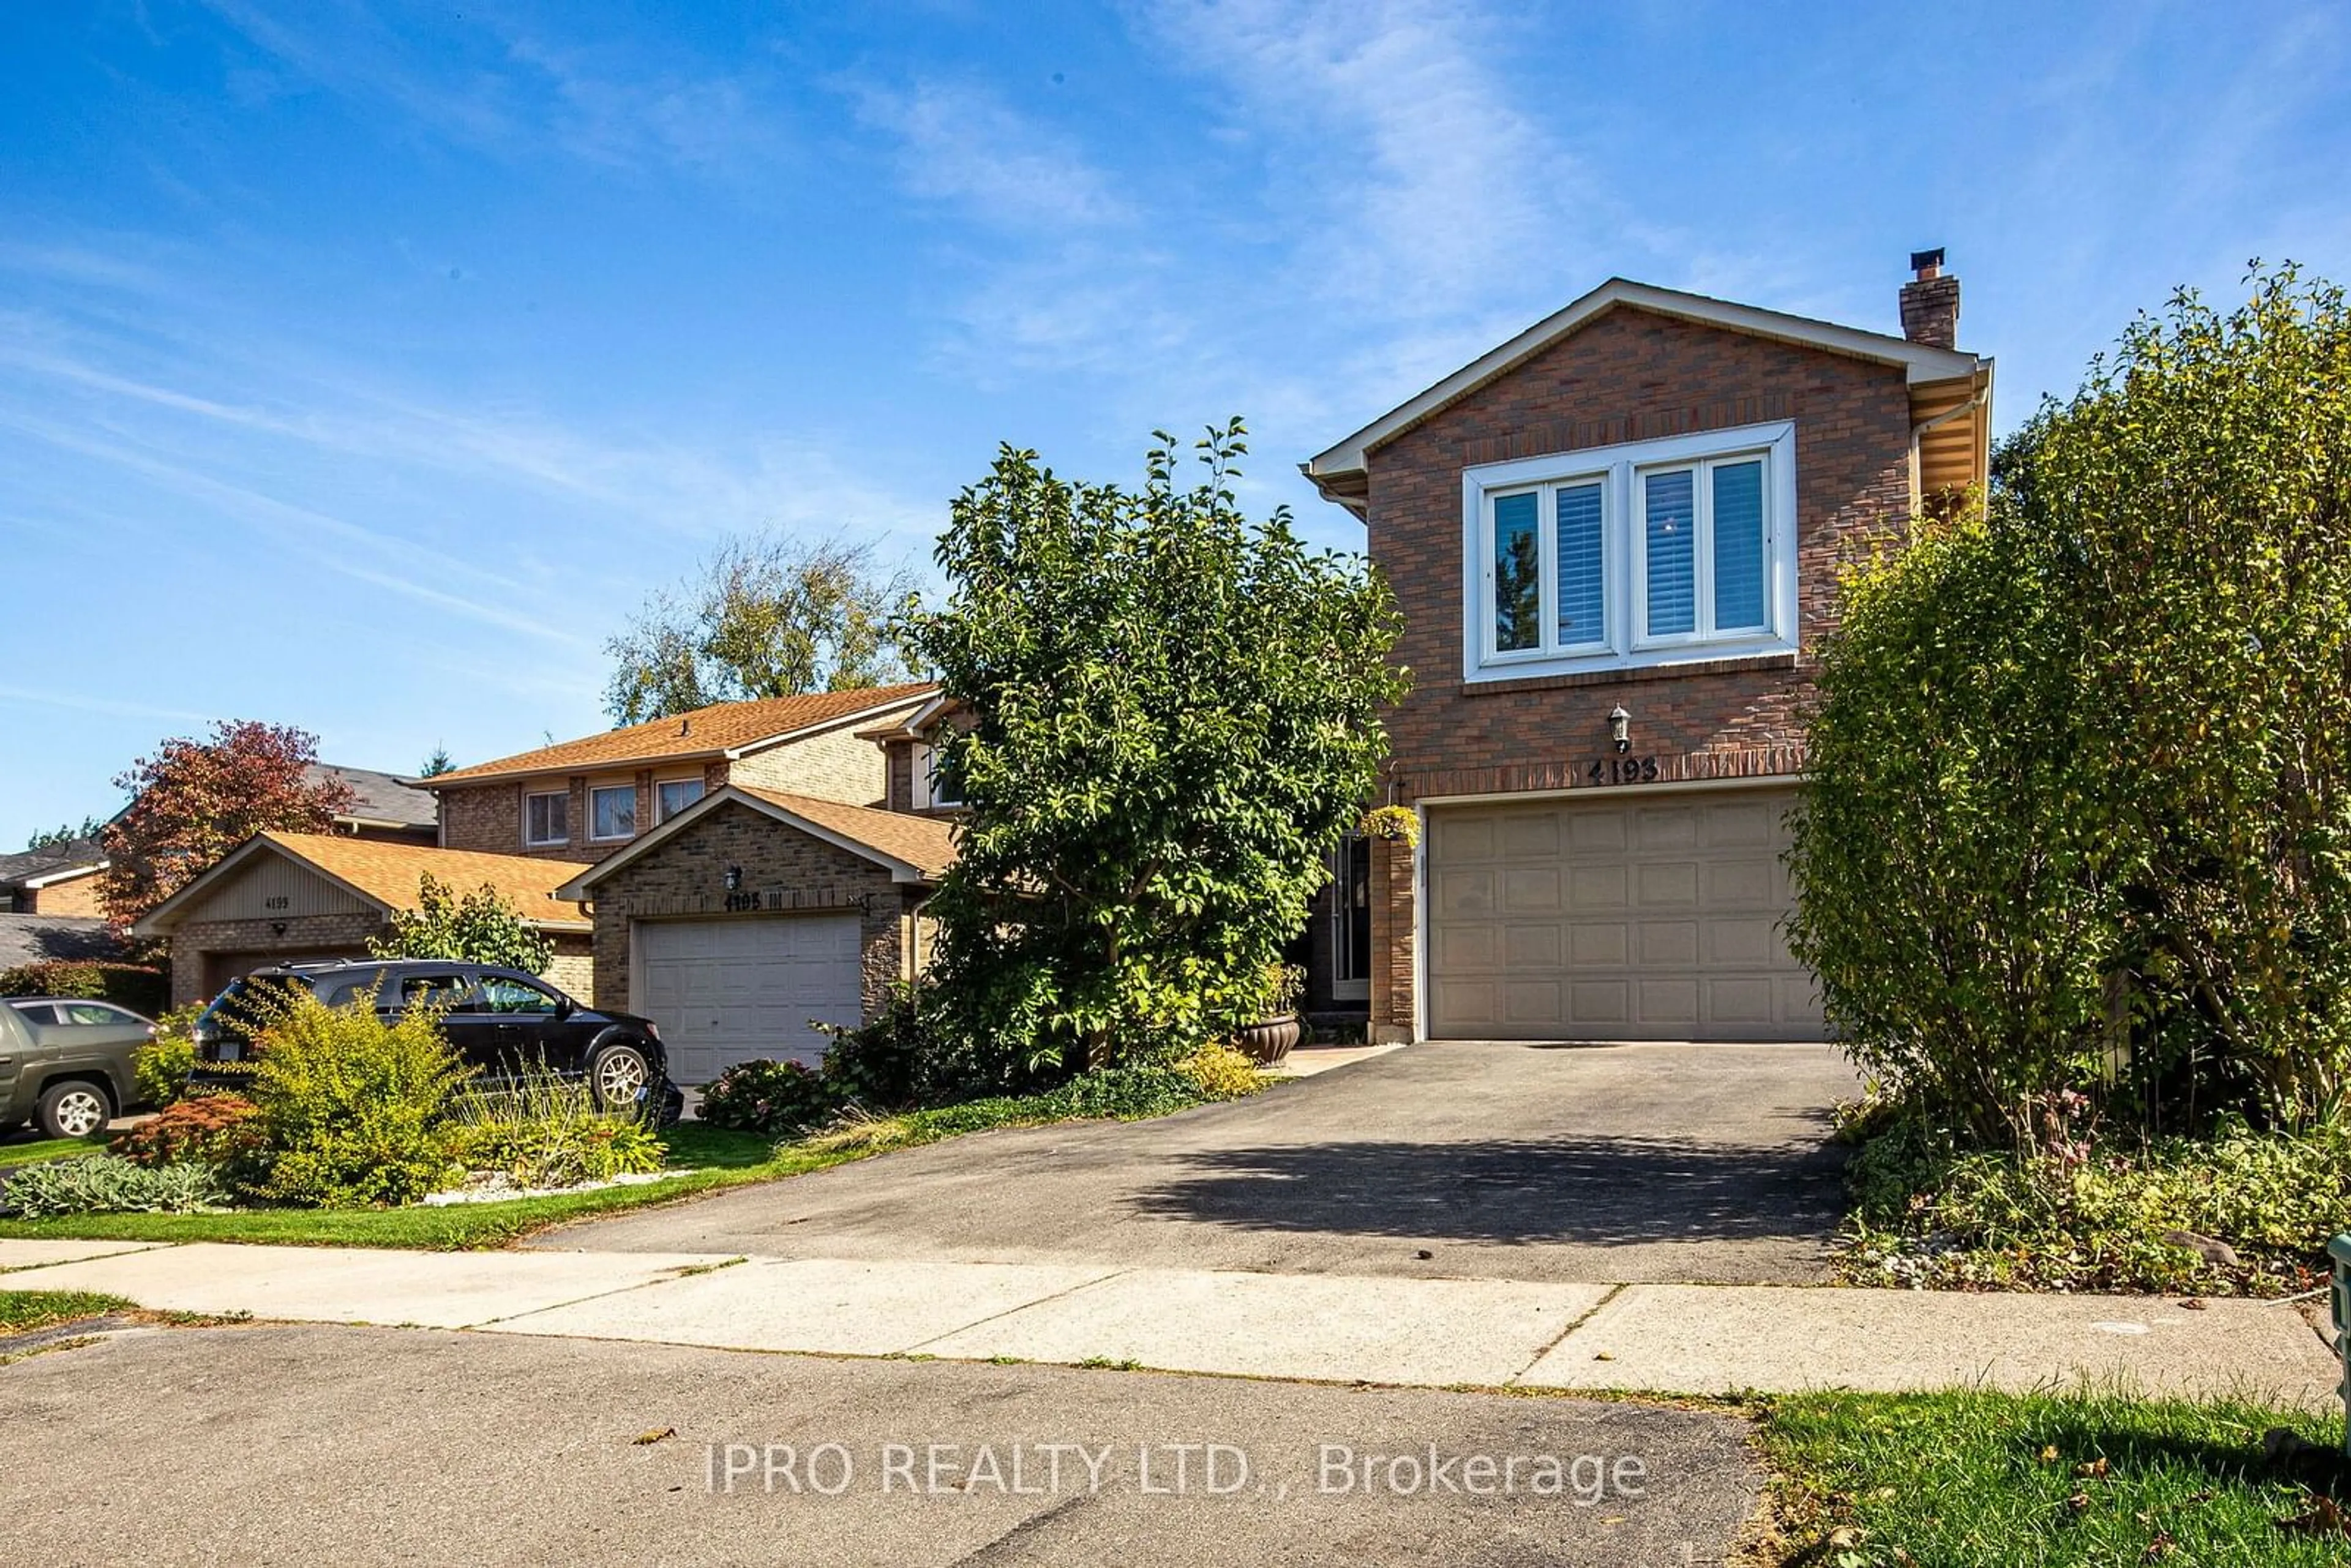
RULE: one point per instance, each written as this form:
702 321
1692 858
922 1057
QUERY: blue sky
362 367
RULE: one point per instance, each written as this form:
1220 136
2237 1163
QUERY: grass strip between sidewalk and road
1974 1478
21 1311
707 1158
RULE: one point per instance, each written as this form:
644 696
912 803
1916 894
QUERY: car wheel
617 1075
74 1110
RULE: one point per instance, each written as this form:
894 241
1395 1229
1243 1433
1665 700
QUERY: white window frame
662 812
1622 471
927 780
595 789
528 797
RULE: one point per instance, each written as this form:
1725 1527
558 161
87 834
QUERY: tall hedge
2080 816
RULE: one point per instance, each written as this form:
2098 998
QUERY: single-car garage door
723 991
1619 917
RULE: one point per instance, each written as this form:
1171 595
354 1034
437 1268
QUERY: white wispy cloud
520 91
961 143
107 708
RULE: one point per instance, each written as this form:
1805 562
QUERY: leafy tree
765 617
481 927
2080 816
437 764
1174 714
195 800
66 834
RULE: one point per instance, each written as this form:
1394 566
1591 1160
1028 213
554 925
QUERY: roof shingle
391 873
926 843
710 731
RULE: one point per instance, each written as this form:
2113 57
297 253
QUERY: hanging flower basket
1398 824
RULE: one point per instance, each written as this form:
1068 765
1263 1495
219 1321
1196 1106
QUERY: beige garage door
746 988
1614 917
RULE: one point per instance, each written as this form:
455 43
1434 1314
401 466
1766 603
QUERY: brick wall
686 877
573 970
196 942
1628 376
79 896
899 760
833 766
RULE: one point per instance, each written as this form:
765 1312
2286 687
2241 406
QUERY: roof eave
807 731
1340 472
582 888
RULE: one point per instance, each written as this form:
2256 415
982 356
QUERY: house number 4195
1623 770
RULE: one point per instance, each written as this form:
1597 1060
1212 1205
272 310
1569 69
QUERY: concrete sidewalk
1437 1332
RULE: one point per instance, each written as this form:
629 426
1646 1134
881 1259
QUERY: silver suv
64 1063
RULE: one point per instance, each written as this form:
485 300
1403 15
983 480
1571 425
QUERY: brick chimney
1930 302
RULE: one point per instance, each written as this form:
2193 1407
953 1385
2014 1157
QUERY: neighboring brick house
583 800
754 914
55 880
282 898
1616 541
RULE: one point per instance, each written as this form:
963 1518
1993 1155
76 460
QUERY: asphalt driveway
1700 1163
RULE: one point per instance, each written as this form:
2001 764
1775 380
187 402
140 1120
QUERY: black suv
502 1021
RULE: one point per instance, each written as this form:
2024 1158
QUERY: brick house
526 824
754 914
282 898
55 880
1616 541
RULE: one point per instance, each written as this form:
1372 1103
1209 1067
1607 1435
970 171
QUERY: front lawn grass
24 1311
1972 1478
707 1159
16 1152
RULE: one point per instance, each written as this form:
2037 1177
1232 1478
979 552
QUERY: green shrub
141 988
222 1131
545 1131
2083 1214
161 1066
2078 815
352 1103
101 1184
769 1097
896 1059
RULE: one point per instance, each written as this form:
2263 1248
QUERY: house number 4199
1623 770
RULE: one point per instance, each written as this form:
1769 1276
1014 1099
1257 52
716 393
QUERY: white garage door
1616 918
723 991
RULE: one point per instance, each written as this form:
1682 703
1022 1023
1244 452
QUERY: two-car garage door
723 991
1616 917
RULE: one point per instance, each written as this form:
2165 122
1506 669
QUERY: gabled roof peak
1337 472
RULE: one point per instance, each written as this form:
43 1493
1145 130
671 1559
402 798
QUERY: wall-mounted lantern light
1620 728
734 879
277 928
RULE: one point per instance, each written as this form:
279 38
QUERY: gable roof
389 875
1337 472
52 862
378 799
911 848
722 729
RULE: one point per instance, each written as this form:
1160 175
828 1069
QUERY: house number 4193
1623 770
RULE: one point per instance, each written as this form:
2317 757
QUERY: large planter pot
1269 1040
